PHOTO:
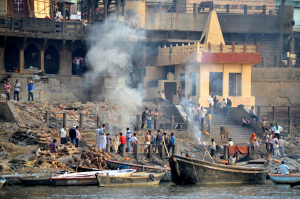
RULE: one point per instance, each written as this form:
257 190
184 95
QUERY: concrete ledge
7 112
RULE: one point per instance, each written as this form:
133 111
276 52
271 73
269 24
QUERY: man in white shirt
284 169
281 143
63 135
202 116
17 89
230 143
276 129
210 101
267 142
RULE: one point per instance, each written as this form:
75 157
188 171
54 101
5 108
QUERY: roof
212 31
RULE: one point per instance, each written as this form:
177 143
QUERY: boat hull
82 181
284 179
36 181
192 171
121 181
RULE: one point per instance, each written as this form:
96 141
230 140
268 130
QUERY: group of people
159 139
198 113
162 96
77 61
17 87
217 107
74 135
150 116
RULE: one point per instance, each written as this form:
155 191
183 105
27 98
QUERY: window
182 81
235 84
193 82
19 5
216 84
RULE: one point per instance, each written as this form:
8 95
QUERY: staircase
239 135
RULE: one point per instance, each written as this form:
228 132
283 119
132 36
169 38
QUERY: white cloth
102 142
17 86
149 116
203 112
284 169
230 143
273 141
77 61
63 133
281 142
267 138
133 139
223 103
210 101
98 136
275 130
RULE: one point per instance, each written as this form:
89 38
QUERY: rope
168 176
12 184
195 170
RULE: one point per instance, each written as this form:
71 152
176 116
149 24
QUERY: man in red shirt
123 142
7 90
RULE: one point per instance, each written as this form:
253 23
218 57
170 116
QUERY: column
42 59
63 12
65 61
225 81
21 61
2 67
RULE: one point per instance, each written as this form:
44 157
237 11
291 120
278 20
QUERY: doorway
235 85
170 90
215 83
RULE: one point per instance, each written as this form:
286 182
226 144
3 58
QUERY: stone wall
276 86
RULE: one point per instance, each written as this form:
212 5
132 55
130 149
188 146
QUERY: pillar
245 9
65 119
225 153
289 120
65 61
274 113
42 59
150 150
226 81
136 150
263 62
105 2
81 121
98 121
138 117
118 8
124 151
161 148
227 9
64 10
21 60
2 67
107 148
47 117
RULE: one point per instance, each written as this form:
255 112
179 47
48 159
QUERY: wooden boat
136 179
38 180
86 178
2 182
15 179
293 179
166 178
192 171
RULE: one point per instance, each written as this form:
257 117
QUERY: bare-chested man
147 142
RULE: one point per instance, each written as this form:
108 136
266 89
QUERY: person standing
158 139
212 148
103 137
216 101
164 94
195 116
171 143
122 142
115 143
281 143
108 141
210 101
147 141
263 125
7 87
228 106
134 141
144 115
267 142
272 142
252 140
17 86
52 147
128 139
276 149
209 122
76 62
78 136
276 129
72 134
179 92
63 135
30 90
149 119
202 115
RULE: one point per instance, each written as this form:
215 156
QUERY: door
235 85
170 89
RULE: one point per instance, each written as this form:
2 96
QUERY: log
71 152
26 127
88 161
106 155
80 163
43 139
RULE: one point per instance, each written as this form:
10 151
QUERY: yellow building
205 68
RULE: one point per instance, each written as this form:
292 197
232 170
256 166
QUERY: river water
167 190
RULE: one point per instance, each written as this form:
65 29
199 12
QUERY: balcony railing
197 47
